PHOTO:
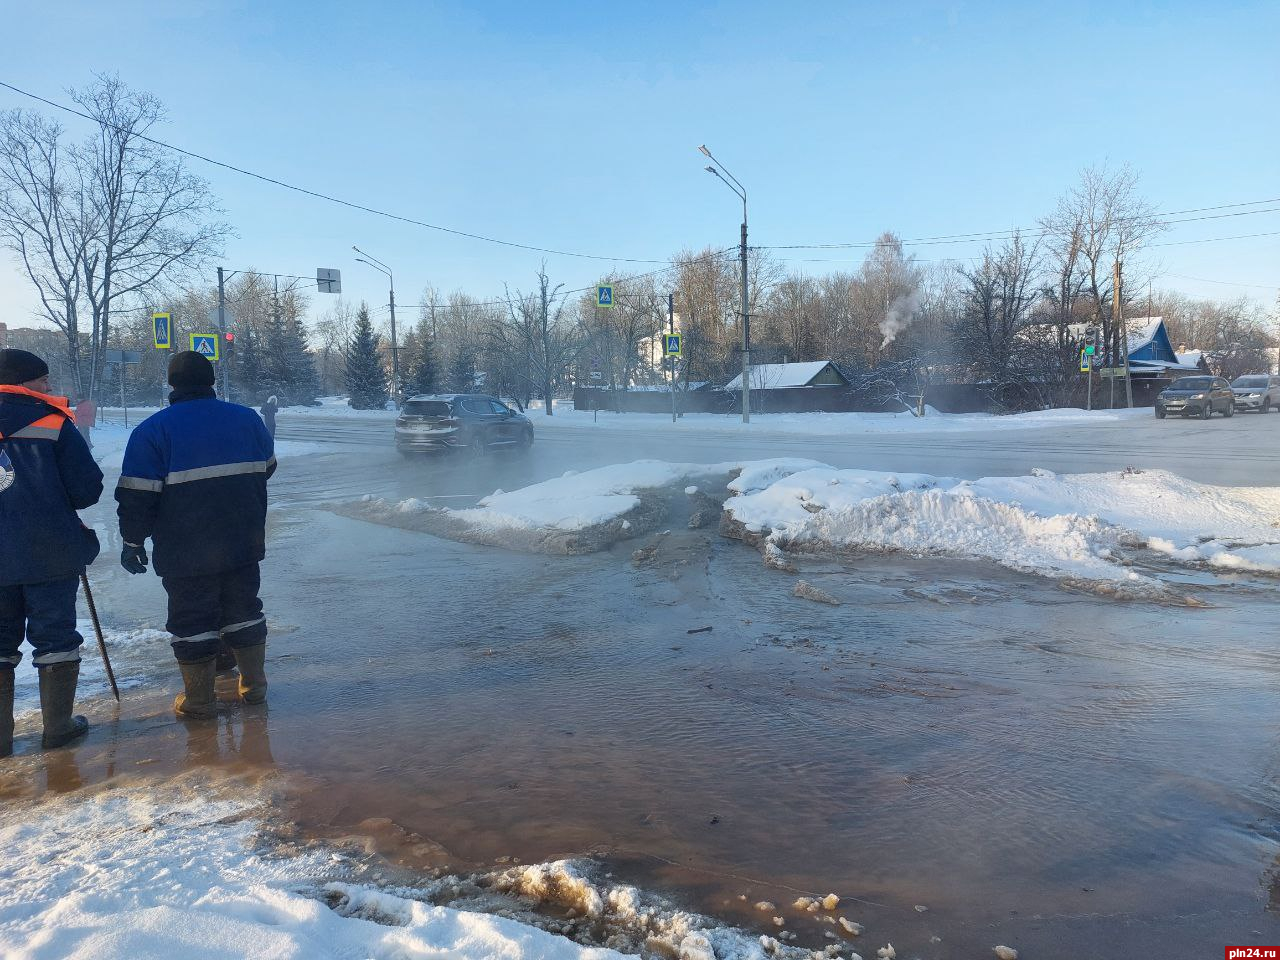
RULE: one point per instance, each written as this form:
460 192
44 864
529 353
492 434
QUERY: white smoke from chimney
899 316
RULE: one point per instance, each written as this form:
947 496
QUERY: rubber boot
253 672
6 713
197 701
57 697
225 661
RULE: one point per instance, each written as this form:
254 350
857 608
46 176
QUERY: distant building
785 376
1151 353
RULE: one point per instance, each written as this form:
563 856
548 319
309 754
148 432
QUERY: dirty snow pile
136 873
151 871
1068 527
576 501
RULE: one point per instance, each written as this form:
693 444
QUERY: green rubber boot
197 700
6 713
253 672
57 698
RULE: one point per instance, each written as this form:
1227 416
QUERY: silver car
1258 392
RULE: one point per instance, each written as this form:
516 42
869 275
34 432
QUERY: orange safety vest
47 427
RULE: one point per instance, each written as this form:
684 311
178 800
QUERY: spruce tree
249 373
366 379
424 373
462 371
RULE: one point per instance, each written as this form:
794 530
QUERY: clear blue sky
575 125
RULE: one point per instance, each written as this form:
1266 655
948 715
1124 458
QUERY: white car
1256 391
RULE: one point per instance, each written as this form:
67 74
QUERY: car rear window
426 408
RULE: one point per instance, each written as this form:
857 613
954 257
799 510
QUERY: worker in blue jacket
46 475
194 480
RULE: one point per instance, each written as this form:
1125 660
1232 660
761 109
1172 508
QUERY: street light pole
737 187
377 264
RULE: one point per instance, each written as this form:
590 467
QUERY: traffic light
230 339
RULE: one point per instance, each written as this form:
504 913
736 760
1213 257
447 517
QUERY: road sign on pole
163 330
206 344
672 345
604 295
328 280
1086 361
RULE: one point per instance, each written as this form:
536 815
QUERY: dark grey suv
1196 396
470 422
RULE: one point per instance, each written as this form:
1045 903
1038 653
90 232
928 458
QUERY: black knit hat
188 370
18 367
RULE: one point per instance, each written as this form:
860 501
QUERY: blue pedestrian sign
604 295
671 344
162 330
205 344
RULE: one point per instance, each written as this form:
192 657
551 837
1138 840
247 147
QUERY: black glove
134 559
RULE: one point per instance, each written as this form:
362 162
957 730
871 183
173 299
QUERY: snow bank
1067 527
829 424
151 873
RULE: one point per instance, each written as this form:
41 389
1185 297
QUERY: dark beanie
188 370
19 367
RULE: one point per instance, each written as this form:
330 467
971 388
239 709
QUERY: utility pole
671 329
746 325
222 335
395 352
737 187
1124 333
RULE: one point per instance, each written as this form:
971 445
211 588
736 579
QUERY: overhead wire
324 196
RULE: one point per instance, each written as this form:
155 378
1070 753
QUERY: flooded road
1065 774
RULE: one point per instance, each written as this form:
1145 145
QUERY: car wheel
526 439
1230 411
1160 413
1207 410
1266 406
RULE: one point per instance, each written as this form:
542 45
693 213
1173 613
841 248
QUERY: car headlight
1254 396
1200 396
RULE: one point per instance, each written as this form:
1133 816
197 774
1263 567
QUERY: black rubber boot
197 701
57 698
253 672
6 713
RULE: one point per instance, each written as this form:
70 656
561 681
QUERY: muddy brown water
1068 775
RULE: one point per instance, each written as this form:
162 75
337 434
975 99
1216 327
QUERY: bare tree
1101 222
997 308
153 220
44 220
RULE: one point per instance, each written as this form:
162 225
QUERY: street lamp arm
375 260
370 263
741 191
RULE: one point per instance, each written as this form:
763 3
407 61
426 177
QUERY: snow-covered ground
825 424
1072 527
152 871
163 871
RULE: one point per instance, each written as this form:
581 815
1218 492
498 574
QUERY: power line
993 235
324 196
1227 283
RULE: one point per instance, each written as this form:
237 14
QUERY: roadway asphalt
1241 451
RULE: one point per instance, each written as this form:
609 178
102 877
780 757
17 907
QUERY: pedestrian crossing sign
671 345
205 344
162 330
604 295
